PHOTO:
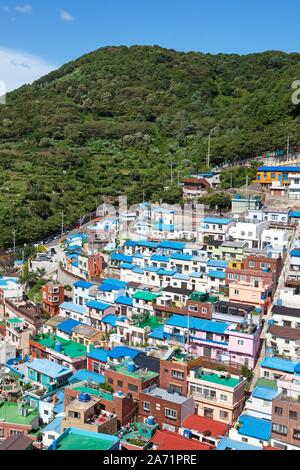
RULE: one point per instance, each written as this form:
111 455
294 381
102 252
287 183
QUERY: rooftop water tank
151 420
84 397
58 347
187 433
258 309
120 394
131 367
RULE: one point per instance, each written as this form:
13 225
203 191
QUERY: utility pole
178 177
171 165
288 148
14 240
62 224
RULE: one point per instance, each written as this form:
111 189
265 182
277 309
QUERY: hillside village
174 337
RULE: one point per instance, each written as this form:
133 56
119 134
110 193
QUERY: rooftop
94 392
141 374
77 439
216 379
9 414
49 368
202 424
197 324
165 395
255 427
147 296
70 348
277 363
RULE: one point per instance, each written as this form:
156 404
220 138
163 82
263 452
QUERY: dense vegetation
111 122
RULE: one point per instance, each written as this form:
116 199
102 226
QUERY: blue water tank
120 394
131 367
271 322
84 397
279 302
265 270
258 309
58 347
151 420
187 433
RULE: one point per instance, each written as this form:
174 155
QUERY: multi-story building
286 423
218 395
18 418
168 409
52 296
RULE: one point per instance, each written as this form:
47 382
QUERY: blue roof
54 426
169 245
255 427
215 263
146 244
157 333
166 272
112 320
48 368
160 258
121 257
295 214
100 354
151 269
98 305
217 274
278 364
182 257
130 243
229 444
83 284
123 300
216 220
67 326
164 227
73 307
115 283
138 270
265 393
198 324
285 169
84 374
295 253
116 353
123 351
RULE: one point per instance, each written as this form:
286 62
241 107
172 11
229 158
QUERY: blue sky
39 35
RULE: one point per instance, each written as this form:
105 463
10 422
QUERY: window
208 413
157 406
170 413
110 380
293 414
51 437
15 433
236 292
168 427
96 367
296 434
280 429
146 406
120 383
240 342
175 389
46 412
251 264
132 387
223 397
244 439
177 374
278 411
74 414
204 310
223 414
1 432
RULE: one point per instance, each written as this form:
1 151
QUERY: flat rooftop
9 414
93 392
216 379
165 395
140 374
74 441
70 348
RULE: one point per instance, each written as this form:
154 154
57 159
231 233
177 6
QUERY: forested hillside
110 122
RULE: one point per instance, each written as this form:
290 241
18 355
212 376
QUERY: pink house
251 293
217 340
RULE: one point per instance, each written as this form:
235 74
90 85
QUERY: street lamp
209 145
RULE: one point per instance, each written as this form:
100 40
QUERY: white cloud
66 16
18 68
24 8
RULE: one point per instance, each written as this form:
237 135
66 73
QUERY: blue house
48 374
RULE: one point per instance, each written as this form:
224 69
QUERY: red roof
167 440
270 448
203 424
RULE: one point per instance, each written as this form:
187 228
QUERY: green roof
141 375
94 392
152 322
80 442
70 348
214 378
14 320
143 295
10 414
262 382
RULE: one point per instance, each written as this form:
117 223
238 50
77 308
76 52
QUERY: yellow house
87 335
267 175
